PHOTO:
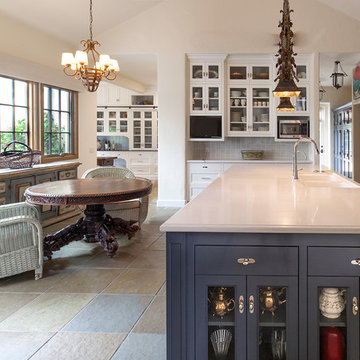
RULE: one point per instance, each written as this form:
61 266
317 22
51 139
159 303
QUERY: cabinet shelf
339 322
221 323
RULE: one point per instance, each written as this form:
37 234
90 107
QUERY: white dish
235 93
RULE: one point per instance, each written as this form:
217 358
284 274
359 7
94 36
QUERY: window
14 111
58 123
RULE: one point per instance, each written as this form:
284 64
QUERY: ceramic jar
331 302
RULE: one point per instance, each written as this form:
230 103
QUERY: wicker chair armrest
143 208
36 226
19 209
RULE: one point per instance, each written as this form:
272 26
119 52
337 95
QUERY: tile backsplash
230 149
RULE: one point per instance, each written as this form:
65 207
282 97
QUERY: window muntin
14 111
57 121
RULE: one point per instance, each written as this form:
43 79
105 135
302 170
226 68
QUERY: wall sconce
338 77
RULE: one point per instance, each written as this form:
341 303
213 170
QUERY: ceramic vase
331 302
332 343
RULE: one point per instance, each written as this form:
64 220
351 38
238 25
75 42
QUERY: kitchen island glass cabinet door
246 317
333 318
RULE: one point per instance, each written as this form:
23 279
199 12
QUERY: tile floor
89 306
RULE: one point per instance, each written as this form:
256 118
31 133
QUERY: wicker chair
128 210
21 240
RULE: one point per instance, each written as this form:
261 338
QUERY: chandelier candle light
90 73
286 86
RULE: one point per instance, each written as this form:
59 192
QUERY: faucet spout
302 139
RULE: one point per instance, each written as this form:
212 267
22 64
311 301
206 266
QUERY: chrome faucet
302 139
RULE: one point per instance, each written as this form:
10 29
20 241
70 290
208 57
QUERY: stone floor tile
109 314
159 244
137 281
150 260
48 312
162 291
11 302
120 260
86 281
154 318
21 345
80 346
142 347
26 282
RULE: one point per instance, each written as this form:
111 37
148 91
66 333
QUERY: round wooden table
96 226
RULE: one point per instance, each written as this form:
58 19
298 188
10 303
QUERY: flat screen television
205 127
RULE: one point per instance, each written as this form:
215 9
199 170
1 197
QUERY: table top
87 191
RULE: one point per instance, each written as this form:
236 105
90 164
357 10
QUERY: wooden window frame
74 126
28 108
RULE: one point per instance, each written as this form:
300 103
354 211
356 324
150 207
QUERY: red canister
332 343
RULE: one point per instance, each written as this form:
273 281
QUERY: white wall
176 27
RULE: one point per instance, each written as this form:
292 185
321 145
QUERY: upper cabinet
206 68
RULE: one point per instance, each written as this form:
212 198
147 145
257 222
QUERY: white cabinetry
206 84
144 129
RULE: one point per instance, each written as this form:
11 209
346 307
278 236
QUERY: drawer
333 261
224 260
203 178
206 167
140 158
2 187
139 170
195 190
67 174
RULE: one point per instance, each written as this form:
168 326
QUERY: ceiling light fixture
338 77
286 86
89 69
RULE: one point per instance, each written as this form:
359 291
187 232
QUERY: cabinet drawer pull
241 304
206 178
355 306
251 304
205 167
355 262
246 261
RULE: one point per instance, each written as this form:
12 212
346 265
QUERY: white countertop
264 198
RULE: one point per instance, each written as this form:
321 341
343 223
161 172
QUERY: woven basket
17 159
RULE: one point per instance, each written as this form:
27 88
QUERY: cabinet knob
355 306
246 261
355 262
251 304
241 304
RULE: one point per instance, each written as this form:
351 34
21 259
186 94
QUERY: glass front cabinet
249 111
247 317
144 129
205 99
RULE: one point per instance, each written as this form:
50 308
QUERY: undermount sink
324 179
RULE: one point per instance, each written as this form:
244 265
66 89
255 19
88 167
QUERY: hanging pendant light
285 105
286 86
88 65
337 76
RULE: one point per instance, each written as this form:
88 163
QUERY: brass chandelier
286 86
88 65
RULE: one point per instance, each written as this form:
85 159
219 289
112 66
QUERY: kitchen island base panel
185 332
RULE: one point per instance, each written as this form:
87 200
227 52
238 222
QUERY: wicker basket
17 159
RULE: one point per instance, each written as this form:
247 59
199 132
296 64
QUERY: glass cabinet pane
137 114
112 114
301 101
301 72
213 72
213 96
238 109
221 323
197 98
137 134
261 109
112 125
272 322
261 72
123 114
100 126
238 73
123 126
100 114
148 115
197 72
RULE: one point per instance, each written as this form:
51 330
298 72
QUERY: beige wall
337 97
174 28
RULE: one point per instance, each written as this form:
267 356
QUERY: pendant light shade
286 88
338 76
285 105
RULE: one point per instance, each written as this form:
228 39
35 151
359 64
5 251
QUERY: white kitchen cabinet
206 68
250 110
245 69
144 129
206 99
113 121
